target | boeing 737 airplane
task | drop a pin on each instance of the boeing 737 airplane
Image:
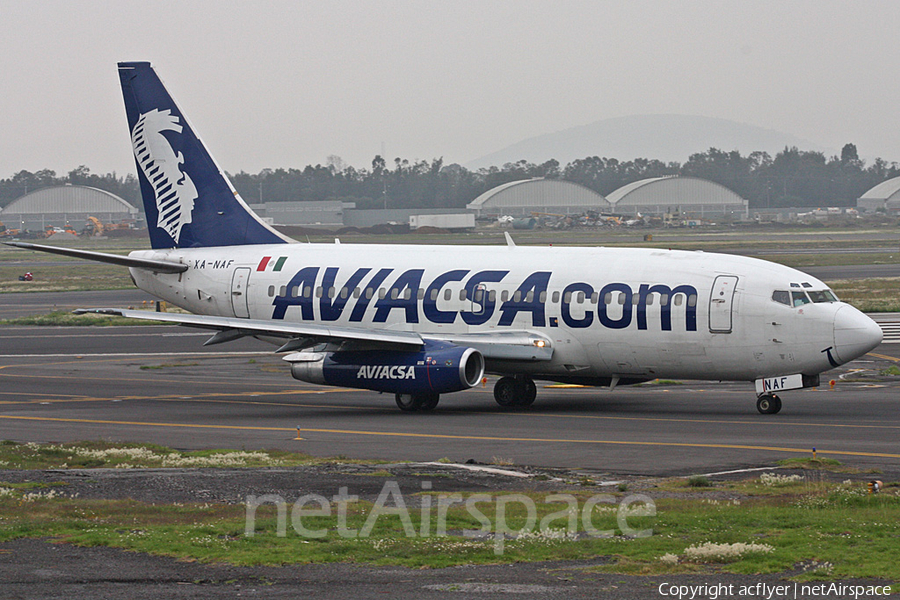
(420, 321)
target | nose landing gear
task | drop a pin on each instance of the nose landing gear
(768, 404)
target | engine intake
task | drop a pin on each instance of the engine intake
(440, 367)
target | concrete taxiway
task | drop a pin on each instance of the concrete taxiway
(159, 385)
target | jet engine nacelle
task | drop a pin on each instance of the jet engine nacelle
(440, 367)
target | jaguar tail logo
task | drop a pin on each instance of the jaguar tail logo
(175, 192)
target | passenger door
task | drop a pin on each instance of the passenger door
(239, 298)
(721, 302)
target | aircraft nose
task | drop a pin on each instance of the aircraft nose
(854, 334)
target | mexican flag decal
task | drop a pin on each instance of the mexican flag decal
(270, 264)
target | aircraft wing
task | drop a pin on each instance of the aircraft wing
(508, 346)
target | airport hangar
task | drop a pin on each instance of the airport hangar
(66, 205)
(689, 196)
(884, 196)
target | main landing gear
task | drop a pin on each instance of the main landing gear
(515, 391)
(413, 402)
(768, 404)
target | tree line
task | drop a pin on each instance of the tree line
(793, 177)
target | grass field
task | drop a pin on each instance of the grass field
(807, 525)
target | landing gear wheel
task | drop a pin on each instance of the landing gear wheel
(408, 402)
(768, 404)
(506, 391)
(529, 392)
(429, 401)
(515, 391)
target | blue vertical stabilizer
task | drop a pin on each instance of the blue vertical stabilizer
(188, 201)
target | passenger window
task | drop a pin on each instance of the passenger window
(356, 292)
(678, 299)
(621, 299)
(692, 300)
(595, 297)
(394, 293)
(607, 298)
(271, 291)
(407, 293)
(799, 298)
(283, 291)
(319, 292)
(307, 291)
(331, 292)
(517, 297)
(650, 299)
(556, 296)
(782, 297)
(462, 294)
(579, 298)
(381, 293)
(504, 296)
(529, 297)
(434, 295)
(492, 296)
(420, 294)
(369, 293)
(567, 298)
(448, 293)
(543, 297)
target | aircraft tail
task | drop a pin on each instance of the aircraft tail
(188, 201)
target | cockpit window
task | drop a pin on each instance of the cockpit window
(823, 296)
(782, 297)
(799, 298)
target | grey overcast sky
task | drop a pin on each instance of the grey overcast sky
(287, 83)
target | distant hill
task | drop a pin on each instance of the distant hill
(663, 137)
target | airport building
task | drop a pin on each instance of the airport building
(549, 196)
(884, 196)
(689, 196)
(66, 205)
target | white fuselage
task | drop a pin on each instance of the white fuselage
(607, 312)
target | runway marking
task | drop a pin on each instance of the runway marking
(207, 397)
(211, 398)
(455, 437)
(54, 335)
(885, 357)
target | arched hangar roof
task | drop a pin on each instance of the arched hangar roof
(69, 199)
(673, 190)
(886, 190)
(541, 194)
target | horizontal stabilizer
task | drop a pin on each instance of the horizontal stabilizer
(157, 266)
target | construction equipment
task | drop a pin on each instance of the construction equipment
(93, 227)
